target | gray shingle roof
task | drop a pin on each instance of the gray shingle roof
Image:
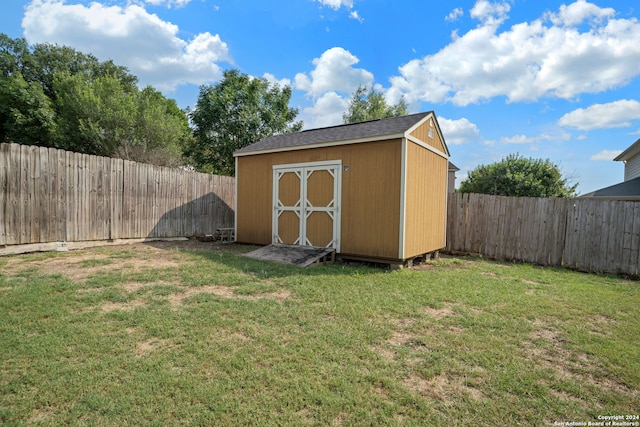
(629, 190)
(372, 128)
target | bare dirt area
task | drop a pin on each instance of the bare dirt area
(80, 264)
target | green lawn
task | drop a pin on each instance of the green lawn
(145, 334)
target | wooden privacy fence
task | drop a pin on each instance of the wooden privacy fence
(49, 195)
(585, 234)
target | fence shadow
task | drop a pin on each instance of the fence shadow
(199, 217)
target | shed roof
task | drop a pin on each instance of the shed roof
(388, 128)
(628, 190)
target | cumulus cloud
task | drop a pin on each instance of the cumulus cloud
(130, 36)
(326, 111)
(581, 48)
(489, 12)
(333, 71)
(168, 3)
(618, 114)
(454, 15)
(458, 131)
(606, 155)
(330, 85)
(355, 15)
(524, 139)
(578, 12)
(274, 81)
(336, 4)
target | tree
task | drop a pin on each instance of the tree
(369, 104)
(161, 131)
(520, 177)
(236, 112)
(55, 96)
(104, 118)
(52, 60)
(94, 117)
(26, 114)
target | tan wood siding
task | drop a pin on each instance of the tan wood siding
(319, 229)
(289, 227)
(426, 200)
(370, 195)
(422, 133)
(254, 183)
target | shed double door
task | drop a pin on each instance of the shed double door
(306, 204)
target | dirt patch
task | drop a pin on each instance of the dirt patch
(132, 287)
(384, 352)
(41, 414)
(402, 323)
(177, 299)
(149, 346)
(550, 350)
(442, 387)
(439, 313)
(81, 264)
(400, 338)
(121, 306)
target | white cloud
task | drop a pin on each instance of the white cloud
(489, 12)
(168, 3)
(458, 131)
(606, 155)
(326, 111)
(274, 81)
(524, 139)
(333, 71)
(330, 85)
(130, 36)
(616, 114)
(578, 12)
(336, 4)
(554, 56)
(454, 15)
(355, 15)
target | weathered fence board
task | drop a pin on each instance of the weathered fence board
(586, 234)
(49, 195)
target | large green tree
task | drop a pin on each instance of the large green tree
(237, 111)
(55, 96)
(104, 118)
(520, 177)
(26, 113)
(369, 104)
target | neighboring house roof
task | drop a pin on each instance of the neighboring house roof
(371, 130)
(632, 151)
(628, 190)
(453, 168)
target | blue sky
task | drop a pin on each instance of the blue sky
(545, 78)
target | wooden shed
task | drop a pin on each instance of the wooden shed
(375, 190)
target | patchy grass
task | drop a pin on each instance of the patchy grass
(155, 334)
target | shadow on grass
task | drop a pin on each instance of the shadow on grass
(231, 256)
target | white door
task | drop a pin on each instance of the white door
(306, 204)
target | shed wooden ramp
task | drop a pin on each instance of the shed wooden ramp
(302, 256)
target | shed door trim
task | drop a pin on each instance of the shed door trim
(303, 208)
